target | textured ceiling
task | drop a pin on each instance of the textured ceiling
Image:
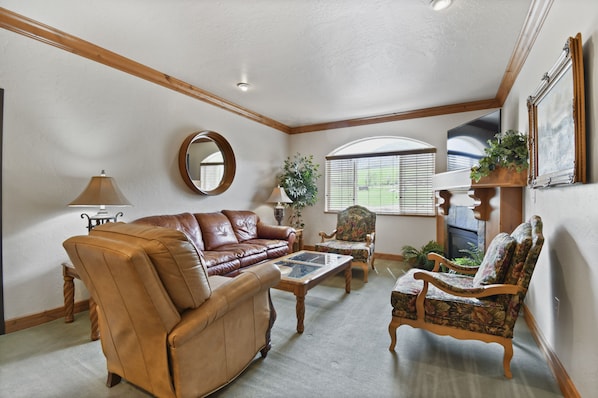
(308, 61)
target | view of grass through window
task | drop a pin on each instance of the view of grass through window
(388, 180)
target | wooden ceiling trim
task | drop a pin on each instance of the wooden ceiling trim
(534, 20)
(392, 117)
(20, 24)
(54, 37)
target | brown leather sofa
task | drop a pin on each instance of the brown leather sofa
(229, 240)
(166, 326)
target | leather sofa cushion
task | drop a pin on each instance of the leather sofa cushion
(216, 230)
(175, 258)
(244, 223)
(184, 222)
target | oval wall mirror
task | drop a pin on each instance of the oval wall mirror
(207, 163)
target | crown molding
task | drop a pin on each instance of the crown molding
(57, 38)
(536, 15)
(25, 26)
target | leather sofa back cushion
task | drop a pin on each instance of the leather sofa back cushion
(175, 258)
(244, 223)
(216, 230)
(184, 222)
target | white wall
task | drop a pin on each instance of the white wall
(66, 119)
(392, 232)
(567, 268)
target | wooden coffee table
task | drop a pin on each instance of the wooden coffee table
(305, 269)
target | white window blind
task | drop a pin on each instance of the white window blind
(397, 182)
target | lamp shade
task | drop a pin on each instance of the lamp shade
(101, 191)
(278, 195)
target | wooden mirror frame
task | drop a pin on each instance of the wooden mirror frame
(227, 155)
(557, 122)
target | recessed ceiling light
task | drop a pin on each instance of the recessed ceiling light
(243, 86)
(438, 5)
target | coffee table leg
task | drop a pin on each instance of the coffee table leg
(300, 308)
(348, 276)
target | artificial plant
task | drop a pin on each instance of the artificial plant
(508, 149)
(299, 179)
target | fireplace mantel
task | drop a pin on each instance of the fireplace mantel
(496, 199)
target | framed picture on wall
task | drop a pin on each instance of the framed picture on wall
(557, 122)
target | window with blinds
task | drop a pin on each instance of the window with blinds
(392, 182)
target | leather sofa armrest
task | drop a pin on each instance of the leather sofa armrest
(224, 298)
(267, 231)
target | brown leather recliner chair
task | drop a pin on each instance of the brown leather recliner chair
(165, 325)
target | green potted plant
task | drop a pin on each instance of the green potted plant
(473, 256)
(418, 258)
(507, 150)
(299, 179)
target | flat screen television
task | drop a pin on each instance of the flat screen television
(465, 144)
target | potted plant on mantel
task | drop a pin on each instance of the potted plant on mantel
(506, 161)
(299, 177)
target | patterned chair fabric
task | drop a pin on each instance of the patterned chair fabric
(354, 236)
(455, 304)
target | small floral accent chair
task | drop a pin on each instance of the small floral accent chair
(475, 303)
(354, 235)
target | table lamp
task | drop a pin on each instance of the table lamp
(101, 192)
(279, 196)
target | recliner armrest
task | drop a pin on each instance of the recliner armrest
(225, 297)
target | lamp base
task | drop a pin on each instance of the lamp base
(279, 214)
(100, 218)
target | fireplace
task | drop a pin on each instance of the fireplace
(459, 239)
(462, 228)
(492, 205)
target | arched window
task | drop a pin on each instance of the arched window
(388, 175)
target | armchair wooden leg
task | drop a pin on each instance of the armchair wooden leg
(113, 379)
(392, 330)
(506, 362)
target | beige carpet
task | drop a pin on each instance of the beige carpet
(342, 353)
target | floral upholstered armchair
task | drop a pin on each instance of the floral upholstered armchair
(480, 303)
(354, 235)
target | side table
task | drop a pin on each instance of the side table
(298, 244)
(69, 273)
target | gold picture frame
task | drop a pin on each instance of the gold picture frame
(557, 126)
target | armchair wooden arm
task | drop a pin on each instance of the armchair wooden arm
(325, 236)
(440, 260)
(370, 238)
(475, 292)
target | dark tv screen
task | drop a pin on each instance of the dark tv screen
(466, 143)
